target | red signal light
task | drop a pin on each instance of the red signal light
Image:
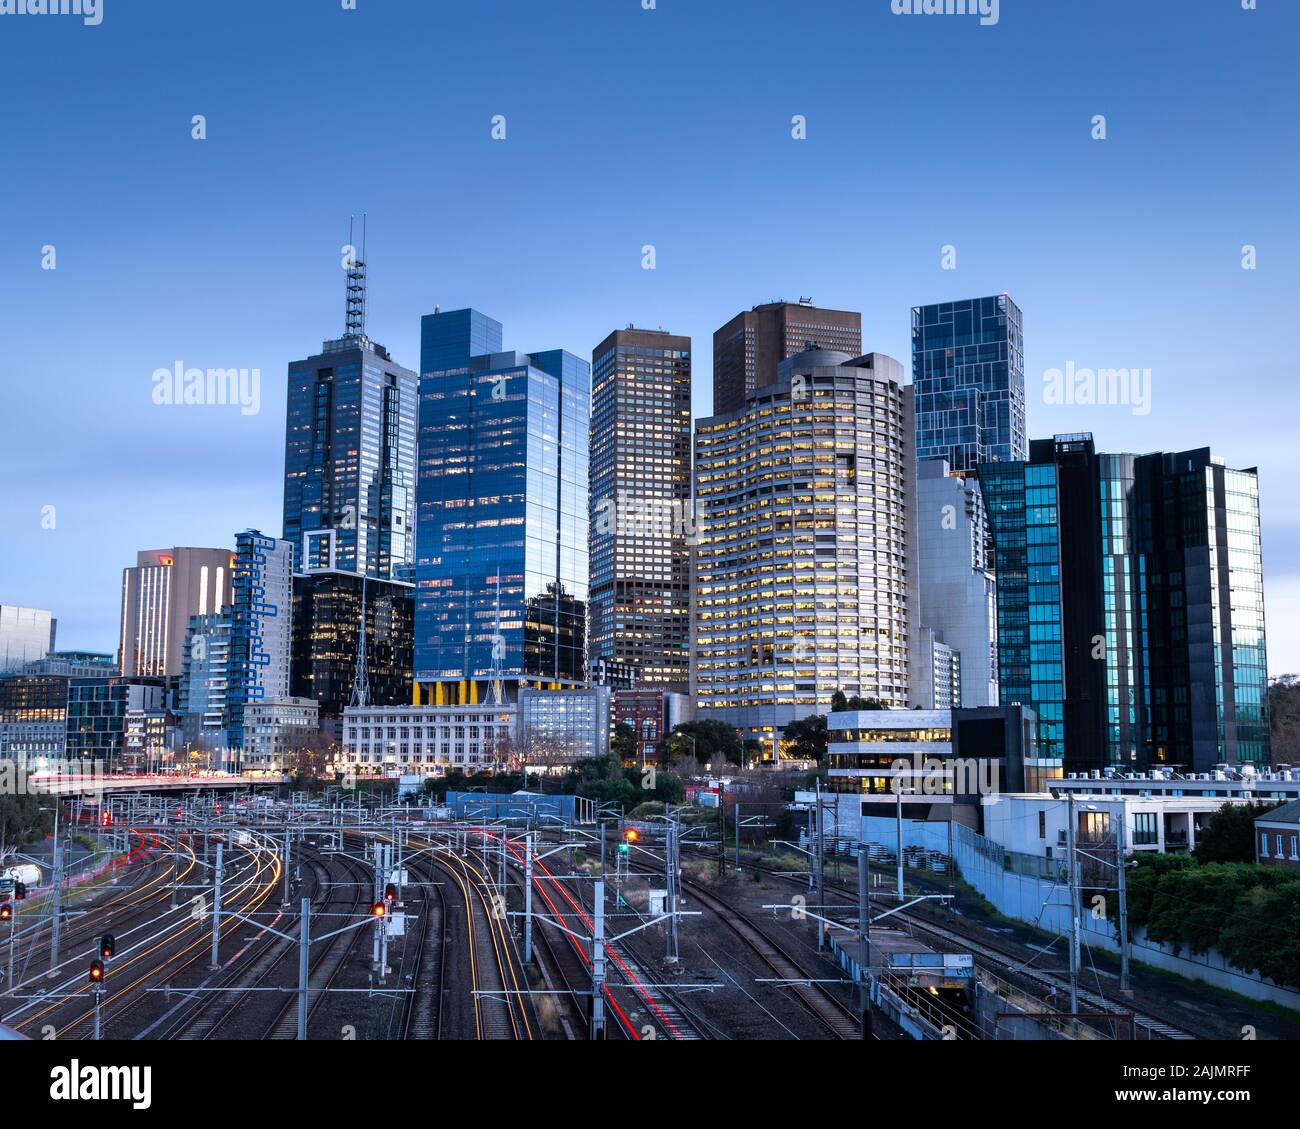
(631, 835)
(106, 819)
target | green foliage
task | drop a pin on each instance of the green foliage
(840, 703)
(714, 742)
(1230, 834)
(455, 780)
(807, 738)
(606, 781)
(1284, 710)
(22, 821)
(623, 743)
(1248, 913)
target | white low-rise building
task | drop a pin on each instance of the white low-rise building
(428, 739)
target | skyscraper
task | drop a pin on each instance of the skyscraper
(329, 607)
(159, 594)
(349, 463)
(748, 349)
(261, 626)
(26, 635)
(640, 500)
(805, 514)
(958, 596)
(968, 366)
(1130, 605)
(503, 513)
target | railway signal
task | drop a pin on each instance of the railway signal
(390, 893)
(20, 891)
(6, 912)
(379, 909)
(107, 946)
(96, 975)
(630, 836)
(106, 818)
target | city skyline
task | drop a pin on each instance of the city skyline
(1116, 261)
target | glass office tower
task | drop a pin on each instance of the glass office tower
(349, 462)
(501, 575)
(1130, 606)
(968, 366)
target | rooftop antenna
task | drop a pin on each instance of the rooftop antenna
(356, 285)
(361, 676)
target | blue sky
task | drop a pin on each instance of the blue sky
(625, 127)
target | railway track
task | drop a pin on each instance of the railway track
(1010, 963)
(837, 1019)
(174, 945)
(498, 998)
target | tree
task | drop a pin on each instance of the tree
(1230, 834)
(1284, 709)
(22, 821)
(623, 743)
(842, 704)
(709, 742)
(307, 754)
(807, 738)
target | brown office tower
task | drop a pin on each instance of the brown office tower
(639, 611)
(748, 348)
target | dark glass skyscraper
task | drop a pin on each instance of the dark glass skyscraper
(501, 574)
(1130, 605)
(327, 615)
(968, 365)
(349, 464)
(640, 502)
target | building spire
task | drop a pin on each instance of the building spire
(355, 325)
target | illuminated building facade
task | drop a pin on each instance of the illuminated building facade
(501, 574)
(803, 580)
(640, 501)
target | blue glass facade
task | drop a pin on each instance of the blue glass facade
(968, 366)
(1130, 605)
(501, 572)
(1023, 511)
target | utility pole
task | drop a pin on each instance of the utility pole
(737, 814)
(1074, 907)
(598, 965)
(57, 923)
(216, 911)
(304, 947)
(528, 889)
(898, 792)
(821, 869)
(287, 850)
(864, 935)
(1121, 866)
(670, 882)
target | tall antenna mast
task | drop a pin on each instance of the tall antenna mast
(361, 676)
(356, 284)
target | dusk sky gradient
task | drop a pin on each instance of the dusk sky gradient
(626, 127)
